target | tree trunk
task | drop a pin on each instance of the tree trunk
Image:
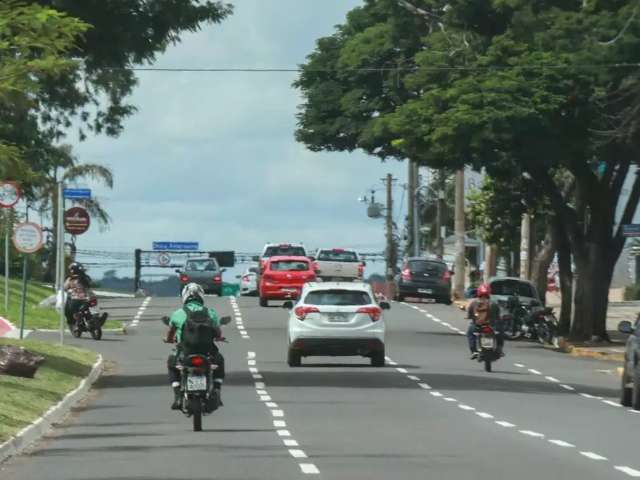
(566, 277)
(542, 261)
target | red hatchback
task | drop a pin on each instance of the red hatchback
(283, 277)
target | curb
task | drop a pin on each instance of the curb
(598, 355)
(25, 437)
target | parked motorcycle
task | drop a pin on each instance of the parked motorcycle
(199, 397)
(515, 317)
(545, 325)
(89, 319)
(487, 346)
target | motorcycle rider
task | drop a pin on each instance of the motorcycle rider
(78, 288)
(483, 311)
(192, 302)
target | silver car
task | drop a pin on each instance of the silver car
(206, 272)
(249, 281)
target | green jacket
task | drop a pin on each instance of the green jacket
(179, 317)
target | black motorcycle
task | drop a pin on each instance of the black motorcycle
(199, 397)
(88, 319)
(515, 318)
(545, 325)
(487, 343)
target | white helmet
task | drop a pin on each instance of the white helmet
(192, 291)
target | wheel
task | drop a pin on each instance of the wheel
(625, 396)
(264, 302)
(96, 333)
(487, 365)
(400, 297)
(448, 301)
(377, 359)
(635, 391)
(196, 411)
(294, 359)
(76, 332)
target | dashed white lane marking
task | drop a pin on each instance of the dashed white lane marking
(613, 404)
(466, 407)
(295, 453)
(519, 365)
(288, 442)
(629, 471)
(504, 424)
(436, 394)
(450, 399)
(568, 387)
(402, 370)
(535, 372)
(257, 376)
(277, 413)
(552, 379)
(562, 443)
(485, 415)
(261, 392)
(588, 395)
(309, 469)
(413, 377)
(424, 386)
(251, 362)
(594, 456)
(251, 354)
(284, 433)
(253, 370)
(531, 433)
(271, 404)
(279, 423)
(140, 312)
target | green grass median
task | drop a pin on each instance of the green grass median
(36, 317)
(23, 400)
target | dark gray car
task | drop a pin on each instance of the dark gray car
(205, 272)
(424, 278)
(630, 396)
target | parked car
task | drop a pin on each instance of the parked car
(282, 278)
(424, 278)
(338, 264)
(630, 396)
(205, 272)
(336, 319)
(502, 288)
(248, 281)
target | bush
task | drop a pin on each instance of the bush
(632, 292)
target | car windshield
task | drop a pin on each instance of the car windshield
(338, 298)
(201, 265)
(337, 256)
(512, 287)
(426, 266)
(282, 250)
(290, 266)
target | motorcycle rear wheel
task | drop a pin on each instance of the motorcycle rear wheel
(96, 333)
(196, 411)
(487, 365)
(76, 332)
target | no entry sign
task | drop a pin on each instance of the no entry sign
(9, 194)
(27, 237)
(76, 221)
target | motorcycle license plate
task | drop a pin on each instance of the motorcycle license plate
(486, 342)
(425, 290)
(196, 383)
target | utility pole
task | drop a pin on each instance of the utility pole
(525, 243)
(460, 273)
(389, 222)
(440, 221)
(60, 267)
(412, 201)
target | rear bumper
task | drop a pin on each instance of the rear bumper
(337, 347)
(280, 292)
(411, 289)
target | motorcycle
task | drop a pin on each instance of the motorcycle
(487, 342)
(89, 319)
(199, 397)
(545, 325)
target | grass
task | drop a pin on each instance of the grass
(23, 400)
(36, 318)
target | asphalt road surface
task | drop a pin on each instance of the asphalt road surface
(431, 413)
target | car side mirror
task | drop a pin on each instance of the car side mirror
(625, 327)
(226, 320)
(165, 320)
(385, 305)
(288, 305)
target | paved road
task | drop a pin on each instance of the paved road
(431, 413)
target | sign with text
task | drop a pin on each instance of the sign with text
(76, 221)
(9, 194)
(28, 237)
(77, 193)
(176, 246)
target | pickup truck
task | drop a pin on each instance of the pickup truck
(338, 264)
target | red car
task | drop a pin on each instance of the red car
(283, 277)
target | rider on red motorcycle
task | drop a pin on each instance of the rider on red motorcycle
(483, 311)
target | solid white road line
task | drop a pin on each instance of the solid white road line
(613, 404)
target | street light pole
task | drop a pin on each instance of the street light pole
(460, 274)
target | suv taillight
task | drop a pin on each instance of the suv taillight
(302, 312)
(217, 279)
(446, 276)
(373, 312)
(406, 274)
(93, 302)
(184, 278)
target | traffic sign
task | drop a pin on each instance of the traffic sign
(77, 193)
(27, 237)
(76, 221)
(631, 230)
(176, 246)
(164, 259)
(9, 194)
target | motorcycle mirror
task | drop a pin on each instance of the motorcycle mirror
(385, 305)
(165, 320)
(288, 305)
(225, 320)
(625, 327)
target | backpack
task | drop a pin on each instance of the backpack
(198, 333)
(482, 311)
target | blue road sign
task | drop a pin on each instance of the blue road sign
(77, 193)
(632, 230)
(176, 246)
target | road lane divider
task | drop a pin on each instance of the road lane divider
(136, 319)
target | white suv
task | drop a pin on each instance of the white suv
(336, 319)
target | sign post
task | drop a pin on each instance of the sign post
(9, 195)
(631, 230)
(27, 238)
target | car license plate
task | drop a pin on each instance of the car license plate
(425, 290)
(486, 342)
(196, 383)
(337, 318)
(290, 290)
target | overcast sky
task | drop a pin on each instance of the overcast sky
(211, 157)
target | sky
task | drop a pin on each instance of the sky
(211, 157)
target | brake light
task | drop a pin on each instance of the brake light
(184, 278)
(374, 312)
(315, 266)
(93, 302)
(361, 270)
(245, 278)
(446, 276)
(486, 329)
(284, 245)
(217, 279)
(406, 274)
(302, 312)
(197, 361)
(338, 250)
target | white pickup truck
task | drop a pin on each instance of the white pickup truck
(338, 264)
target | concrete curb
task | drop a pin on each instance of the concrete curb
(18, 443)
(585, 352)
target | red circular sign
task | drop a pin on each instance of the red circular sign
(76, 221)
(9, 194)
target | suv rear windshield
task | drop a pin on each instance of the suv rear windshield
(287, 266)
(284, 251)
(337, 256)
(426, 266)
(338, 297)
(205, 265)
(512, 287)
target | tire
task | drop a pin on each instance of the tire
(378, 359)
(196, 411)
(294, 359)
(264, 302)
(487, 366)
(400, 297)
(635, 391)
(626, 393)
(76, 332)
(96, 334)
